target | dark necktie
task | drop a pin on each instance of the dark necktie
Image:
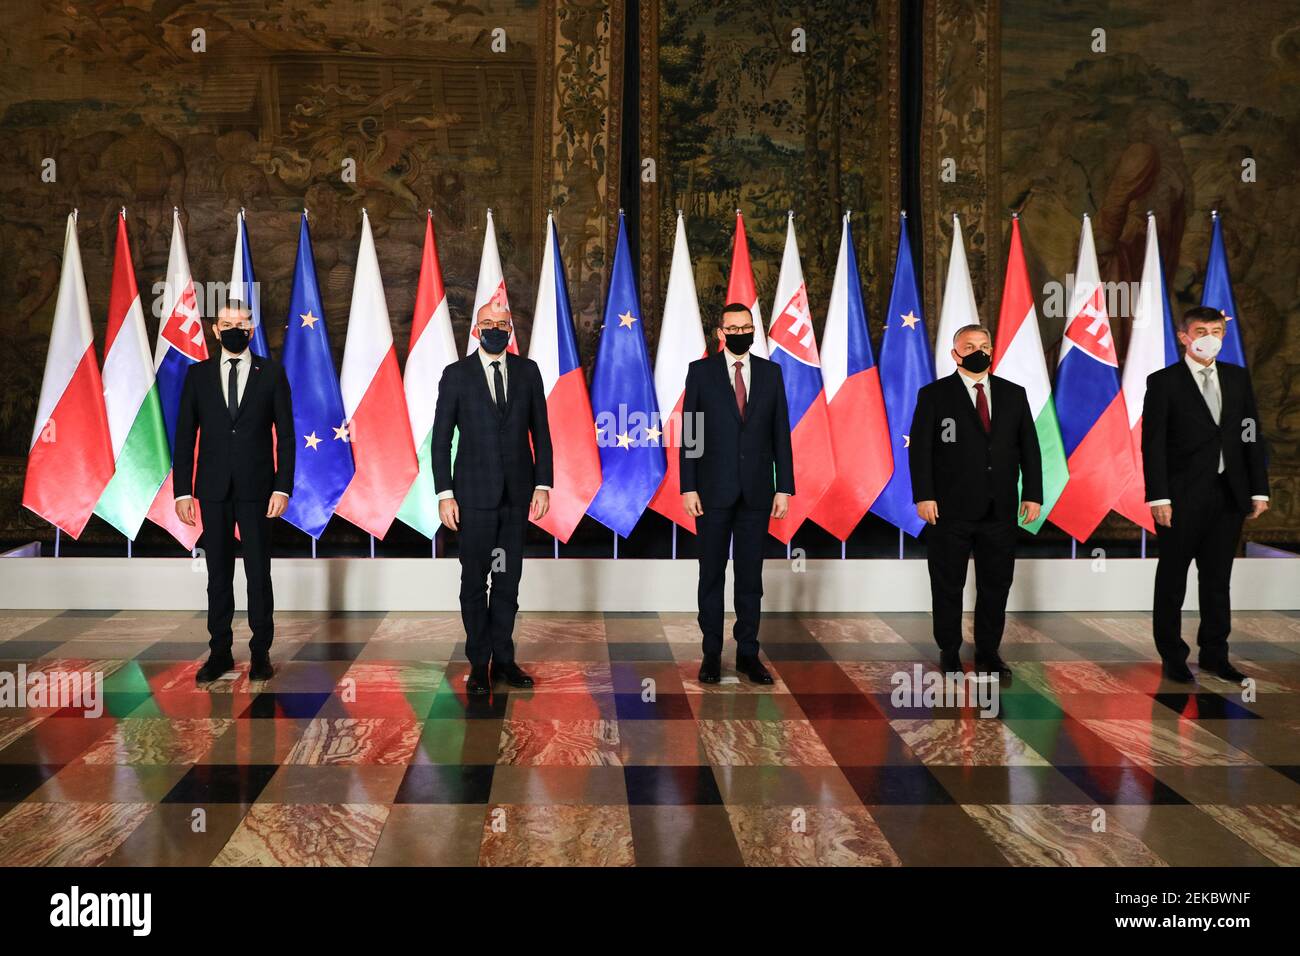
(982, 407)
(500, 383)
(740, 389)
(232, 388)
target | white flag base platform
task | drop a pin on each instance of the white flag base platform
(580, 584)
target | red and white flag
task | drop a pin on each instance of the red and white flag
(491, 287)
(741, 288)
(374, 401)
(70, 459)
(681, 342)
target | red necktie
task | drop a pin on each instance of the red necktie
(740, 389)
(982, 406)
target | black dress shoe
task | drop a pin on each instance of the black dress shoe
(478, 685)
(213, 668)
(950, 662)
(711, 669)
(1177, 671)
(512, 673)
(1224, 670)
(260, 668)
(993, 665)
(753, 668)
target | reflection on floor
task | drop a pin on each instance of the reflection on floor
(364, 750)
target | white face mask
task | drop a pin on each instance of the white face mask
(1206, 347)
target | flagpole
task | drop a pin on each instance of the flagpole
(1074, 547)
(372, 545)
(615, 545)
(900, 544)
(1144, 542)
(313, 549)
(674, 540)
(844, 548)
(57, 538)
(556, 539)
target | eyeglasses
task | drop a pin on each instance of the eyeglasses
(737, 329)
(503, 325)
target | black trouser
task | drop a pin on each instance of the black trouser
(715, 530)
(218, 543)
(1205, 529)
(491, 542)
(950, 543)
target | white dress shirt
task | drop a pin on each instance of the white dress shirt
(490, 373)
(970, 384)
(243, 365)
(1198, 376)
(744, 370)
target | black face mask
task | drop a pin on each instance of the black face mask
(977, 361)
(495, 341)
(738, 343)
(234, 340)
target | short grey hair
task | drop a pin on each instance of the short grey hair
(971, 328)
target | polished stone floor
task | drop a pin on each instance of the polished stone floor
(364, 750)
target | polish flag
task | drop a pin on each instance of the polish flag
(379, 426)
(70, 459)
(1090, 405)
(794, 348)
(864, 458)
(681, 342)
(181, 343)
(554, 348)
(741, 288)
(1151, 347)
(491, 287)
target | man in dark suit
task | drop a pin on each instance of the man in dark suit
(231, 402)
(972, 441)
(1206, 472)
(737, 475)
(498, 403)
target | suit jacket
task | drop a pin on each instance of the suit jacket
(1181, 443)
(962, 467)
(733, 460)
(493, 453)
(238, 459)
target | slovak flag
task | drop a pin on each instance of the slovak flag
(244, 287)
(554, 348)
(681, 342)
(1151, 347)
(491, 287)
(864, 459)
(181, 343)
(793, 346)
(1217, 294)
(741, 288)
(1090, 405)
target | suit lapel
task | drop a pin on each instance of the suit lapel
(1197, 397)
(255, 374)
(474, 366)
(962, 396)
(728, 383)
(514, 378)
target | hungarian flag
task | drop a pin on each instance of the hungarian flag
(1018, 357)
(433, 348)
(1151, 347)
(681, 342)
(375, 405)
(859, 426)
(1217, 294)
(491, 287)
(741, 288)
(70, 459)
(958, 308)
(135, 420)
(244, 287)
(793, 346)
(554, 347)
(1094, 422)
(181, 343)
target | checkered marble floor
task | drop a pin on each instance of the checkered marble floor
(364, 750)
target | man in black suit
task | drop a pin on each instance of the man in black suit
(231, 402)
(734, 478)
(972, 441)
(1206, 472)
(498, 402)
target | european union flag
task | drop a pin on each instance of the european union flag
(624, 405)
(1217, 294)
(906, 364)
(324, 465)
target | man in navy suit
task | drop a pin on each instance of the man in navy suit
(229, 404)
(737, 476)
(502, 475)
(1206, 472)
